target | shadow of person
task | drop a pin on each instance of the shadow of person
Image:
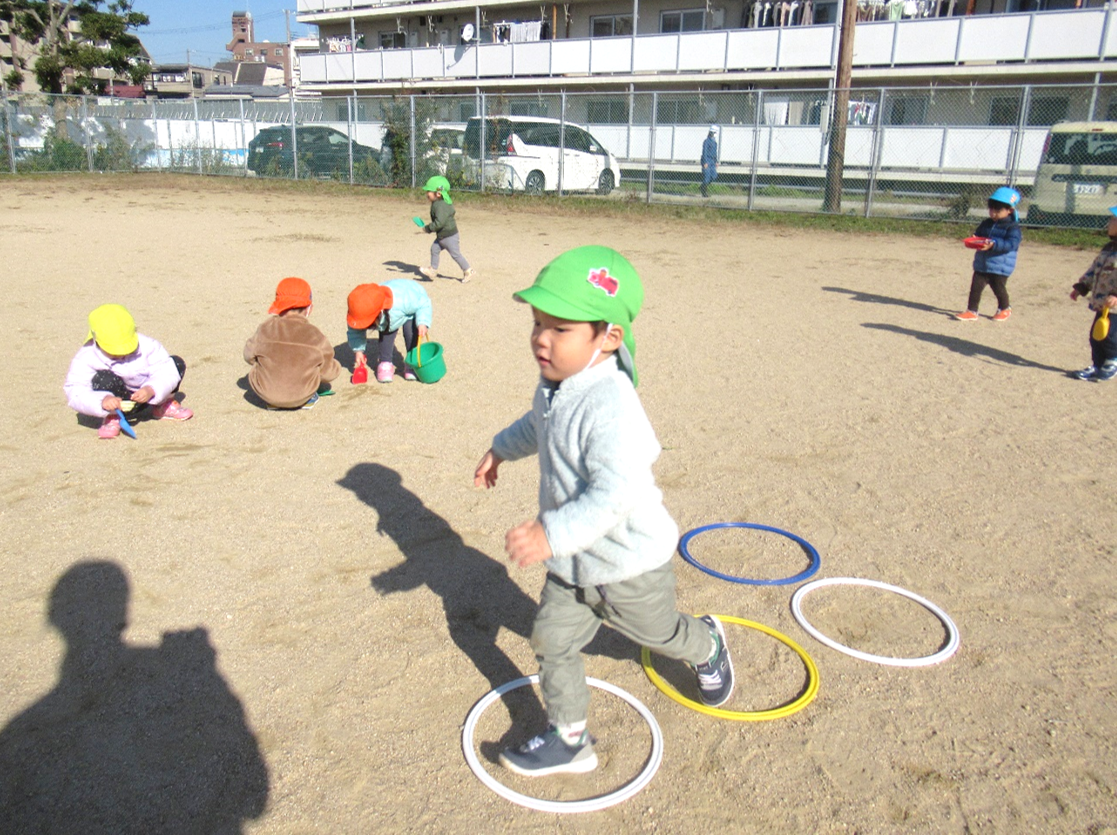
(403, 267)
(873, 298)
(131, 739)
(965, 347)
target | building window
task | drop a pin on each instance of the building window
(685, 112)
(607, 112)
(393, 40)
(906, 110)
(1005, 110)
(527, 108)
(608, 26)
(690, 20)
(248, 52)
(1047, 110)
(279, 52)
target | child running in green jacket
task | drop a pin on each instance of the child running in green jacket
(445, 229)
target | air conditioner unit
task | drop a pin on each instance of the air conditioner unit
(717, 18)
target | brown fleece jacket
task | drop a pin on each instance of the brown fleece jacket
(290, 358)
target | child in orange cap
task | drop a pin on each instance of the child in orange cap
(387, 307)
(292, 361)
(118, 368)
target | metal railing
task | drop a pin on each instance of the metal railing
(926, 152)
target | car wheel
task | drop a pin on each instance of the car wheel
(534, 183)
(606, 183)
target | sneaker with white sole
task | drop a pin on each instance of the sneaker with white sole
(430, 272)
(1086, 373)
(1107, 371)
(1002, 314)
(715, 677)
(384, 372)
(468, 274)
(967, 316)
(409, 373)
(548, 753)
(109, 428)
(171, 410)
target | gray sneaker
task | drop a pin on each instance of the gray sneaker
(715, 678)
(1107, 371)
(549, 754)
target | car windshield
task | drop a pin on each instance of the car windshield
(1082, 149)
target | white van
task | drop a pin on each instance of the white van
(523, 153)
(1076, 181)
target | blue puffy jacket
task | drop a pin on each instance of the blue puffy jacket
(1001, 259)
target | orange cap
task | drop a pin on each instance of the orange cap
(366, 303)
(291, 293)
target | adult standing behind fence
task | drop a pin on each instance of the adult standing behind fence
(709, 161)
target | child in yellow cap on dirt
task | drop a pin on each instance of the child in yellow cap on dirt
(445, 229)
(387, 307)
(602, 529)
(118, 368)
(292, 361)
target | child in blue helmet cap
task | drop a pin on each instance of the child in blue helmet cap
(1099, 284)
(994, 263)
(602, 529)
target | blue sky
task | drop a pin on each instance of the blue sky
(204, 27)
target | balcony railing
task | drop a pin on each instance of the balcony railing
(1082, 34)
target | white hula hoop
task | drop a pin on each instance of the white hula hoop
(592, 804)
(952, 641)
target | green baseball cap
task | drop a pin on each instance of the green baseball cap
(437, 183)
(591, 284)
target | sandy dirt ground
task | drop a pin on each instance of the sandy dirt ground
(316, 599)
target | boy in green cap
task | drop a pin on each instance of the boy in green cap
(602, 528)
(445, 229)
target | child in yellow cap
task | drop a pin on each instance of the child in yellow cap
(445, 229)
(602, 529)
(118, 368)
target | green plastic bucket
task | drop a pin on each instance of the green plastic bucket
(426, 361)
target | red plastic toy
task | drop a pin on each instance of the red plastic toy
(977, 243)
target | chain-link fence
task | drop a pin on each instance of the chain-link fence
(926, 153)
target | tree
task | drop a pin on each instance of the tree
(73, 39)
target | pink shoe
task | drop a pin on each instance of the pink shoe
(110, 428)
(384, 372)
(408, 374)
(171, 410)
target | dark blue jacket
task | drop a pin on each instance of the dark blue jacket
(1001, 259)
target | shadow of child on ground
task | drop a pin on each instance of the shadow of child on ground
(965, 347)
(131, 739)
(410, 269)
(873, 298)
(477, 594)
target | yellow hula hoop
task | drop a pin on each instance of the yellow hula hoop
(742, 715)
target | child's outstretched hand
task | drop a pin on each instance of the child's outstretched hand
(485, 474)
(527, 544)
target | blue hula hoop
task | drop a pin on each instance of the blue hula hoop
(802, 575)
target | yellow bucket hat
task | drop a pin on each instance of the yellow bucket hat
(114, 330)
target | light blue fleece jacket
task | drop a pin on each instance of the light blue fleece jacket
(598, 502)
(409, 301)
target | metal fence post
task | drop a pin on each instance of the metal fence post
(411, 102)
(294, 138)
(350, 129)
(86, 139)
(243, 139)
(9, 117)
(651, 146)
(874, 154)
(755, 145)
(197, 137)
(484, 115)
(1018, 138)
(562, 139)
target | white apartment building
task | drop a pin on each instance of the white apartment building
(461, 46)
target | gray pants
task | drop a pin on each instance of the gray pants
(451, 244)
(642, 609)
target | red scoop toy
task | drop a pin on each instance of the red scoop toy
(977, 243)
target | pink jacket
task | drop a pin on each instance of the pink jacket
(148, 365)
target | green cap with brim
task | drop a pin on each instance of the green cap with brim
(437, 183)
(591, 284)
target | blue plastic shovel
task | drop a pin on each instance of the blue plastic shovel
(125, 426)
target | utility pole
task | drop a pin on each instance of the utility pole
(835, 159)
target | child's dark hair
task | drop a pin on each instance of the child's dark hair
(997, 204)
